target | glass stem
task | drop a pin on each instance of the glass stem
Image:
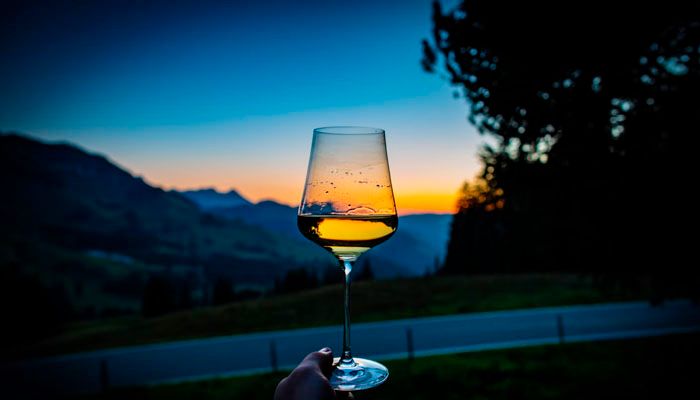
(346, 358)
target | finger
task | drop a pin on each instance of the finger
(344, 395)
(322, 359)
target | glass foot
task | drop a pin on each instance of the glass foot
(362, 374)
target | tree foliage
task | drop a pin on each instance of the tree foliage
(297, 280)
(592, 110)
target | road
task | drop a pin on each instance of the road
(262, 352)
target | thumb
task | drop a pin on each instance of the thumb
(322, 359)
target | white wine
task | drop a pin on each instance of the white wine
(347, 236)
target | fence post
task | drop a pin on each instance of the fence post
(409, 343)
(273, 355)
(560, 328)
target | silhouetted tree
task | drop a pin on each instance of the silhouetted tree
(185, 300)
(365, 273)
(592, 109)
(332, 275)
(223, 291)
(31, 309)
(433, 270)
(296, 280)
(159, 296)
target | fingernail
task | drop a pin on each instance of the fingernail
(325, 350)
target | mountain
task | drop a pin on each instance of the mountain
(267, 214)
(207, 199)
(418, 246)
(419, 243)
(431, 230)
(80, 226)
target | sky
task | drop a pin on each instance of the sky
(226, 94)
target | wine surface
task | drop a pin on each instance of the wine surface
(347, 236)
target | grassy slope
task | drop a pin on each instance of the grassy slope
(655, 368)
(372, 301)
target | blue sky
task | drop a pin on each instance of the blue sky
(226, 94)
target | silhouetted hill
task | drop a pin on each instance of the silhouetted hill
(78, 225)
(208, 199)
(268, 214)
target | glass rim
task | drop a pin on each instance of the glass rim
(349, 130)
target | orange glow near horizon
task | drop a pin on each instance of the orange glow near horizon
(407, 202)
(418, 203)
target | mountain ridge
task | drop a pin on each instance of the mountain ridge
(417, 248)
(209, 198)
(77, 224)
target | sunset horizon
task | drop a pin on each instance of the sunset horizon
(409, 200)
(406, 203)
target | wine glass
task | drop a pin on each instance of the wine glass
(347, 208)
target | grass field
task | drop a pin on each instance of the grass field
(655, 368)
(372, 301)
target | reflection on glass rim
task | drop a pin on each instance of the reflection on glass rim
(349, 130)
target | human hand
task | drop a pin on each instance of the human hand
(309, 380)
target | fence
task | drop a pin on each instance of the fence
(272, 351)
